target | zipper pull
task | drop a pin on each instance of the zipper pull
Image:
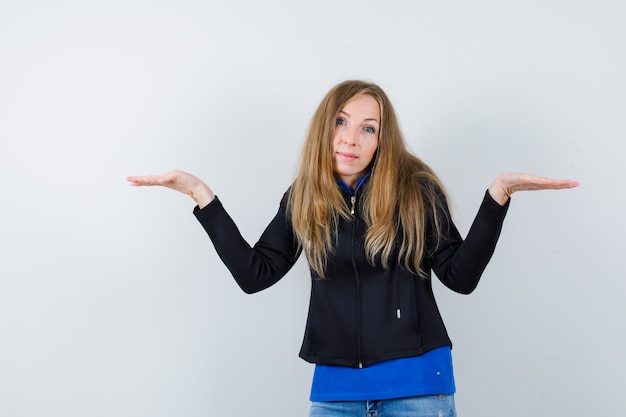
(398, 313)
(360, 365)
(353, 200)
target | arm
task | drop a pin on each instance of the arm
(254, 268)
(460, 263)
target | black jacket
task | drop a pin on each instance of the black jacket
(361, 314)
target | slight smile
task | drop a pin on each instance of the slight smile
(347, 156)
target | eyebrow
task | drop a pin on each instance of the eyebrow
(369, 119)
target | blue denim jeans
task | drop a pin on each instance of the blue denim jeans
(422, 406)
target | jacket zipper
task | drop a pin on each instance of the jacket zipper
(358, 283)
(358, 300)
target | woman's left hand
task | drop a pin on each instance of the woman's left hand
(508, 183)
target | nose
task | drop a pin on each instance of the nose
(350, 136)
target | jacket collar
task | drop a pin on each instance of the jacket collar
(359, 183)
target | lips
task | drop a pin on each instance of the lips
(347, 156)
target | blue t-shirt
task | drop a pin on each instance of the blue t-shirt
(427, 374)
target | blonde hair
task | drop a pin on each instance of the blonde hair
(399, 200)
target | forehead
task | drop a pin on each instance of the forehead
(362, 106)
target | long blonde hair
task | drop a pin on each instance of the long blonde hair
(402, 195)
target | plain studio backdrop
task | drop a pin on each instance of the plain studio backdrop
(112, 299)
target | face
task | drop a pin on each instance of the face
(355, 138)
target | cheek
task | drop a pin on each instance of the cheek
(333, 140)
(372, 150)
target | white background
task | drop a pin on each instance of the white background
(112, 299)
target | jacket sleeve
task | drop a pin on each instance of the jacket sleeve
(460, 263)
(254, 268)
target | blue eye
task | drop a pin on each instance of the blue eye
(369, 129)
(340, 121)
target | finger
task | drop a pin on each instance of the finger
(540, 183)
(568, 184)
(143, 180)
(559, 184)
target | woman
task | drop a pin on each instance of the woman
(373, 222)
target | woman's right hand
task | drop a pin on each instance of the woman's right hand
(180, 181)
